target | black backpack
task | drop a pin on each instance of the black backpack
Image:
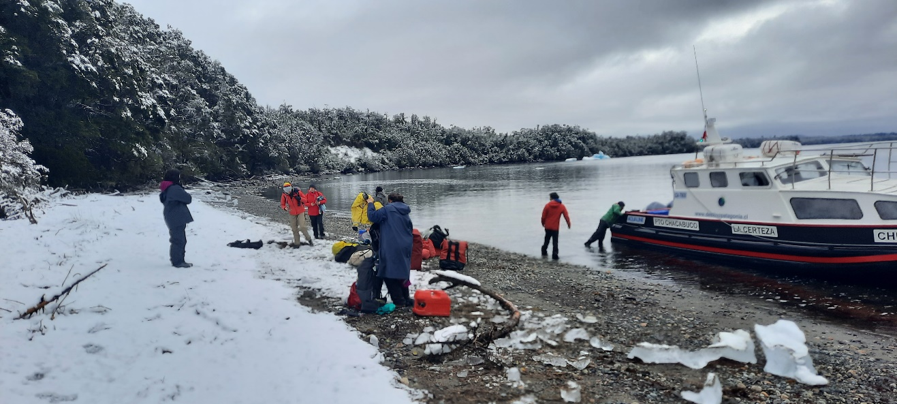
(438, 235)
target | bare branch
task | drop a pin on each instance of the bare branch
(505, 303)
(43, 303)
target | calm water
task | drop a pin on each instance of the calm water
(501, 206)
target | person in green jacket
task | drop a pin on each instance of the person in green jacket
(613, 214)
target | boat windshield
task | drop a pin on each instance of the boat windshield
(845, 167)
(800, 172)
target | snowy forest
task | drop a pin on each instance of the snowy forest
(108, 99)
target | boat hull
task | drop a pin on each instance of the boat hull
(828, 246)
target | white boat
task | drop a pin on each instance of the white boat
(571, 159)
(791, 205)
(459, 167)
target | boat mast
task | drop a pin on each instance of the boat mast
(700, 90)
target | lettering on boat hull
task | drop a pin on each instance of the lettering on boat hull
(756, 230)
(885, 236)
(677, 224)
(635, 219)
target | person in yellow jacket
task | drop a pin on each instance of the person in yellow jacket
(293, 201)
(360, 211)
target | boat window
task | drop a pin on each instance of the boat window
(824, 208)
(691, 180)
(753, 179)
(887, 210)
(849, 168)
(800, 172)
(718, 179)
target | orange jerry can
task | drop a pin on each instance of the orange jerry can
(432, 303)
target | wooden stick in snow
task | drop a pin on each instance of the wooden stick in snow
(40, 305)
(505, 303)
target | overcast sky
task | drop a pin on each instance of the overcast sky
(614, 67)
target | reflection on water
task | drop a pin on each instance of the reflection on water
(501, 206)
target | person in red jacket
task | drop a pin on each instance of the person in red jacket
(315, 201)
(293, 201)
(551, 221)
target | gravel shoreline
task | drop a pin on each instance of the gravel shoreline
(861, 366)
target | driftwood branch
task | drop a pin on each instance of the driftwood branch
(27, 209)
(43, 303)
(495, 334)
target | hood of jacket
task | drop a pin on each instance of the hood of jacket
(400, 207)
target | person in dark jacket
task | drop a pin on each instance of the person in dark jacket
(613, 214)
(379, 196)
(394, 254)
(551, 221)
(315, 201)
(177, 215)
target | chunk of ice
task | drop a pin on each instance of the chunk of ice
(712, 393)
(737, 346)
(580, 363)
(551, 359)
(514, 378)
(513, 375)
(571, 393)
(575, 334)
(527, 399)
(787, 355)
(437, 349)
(451, 334)
(423, 338)
(596, 342)
(588, 319)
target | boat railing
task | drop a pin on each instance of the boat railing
(877, 151)
(881, 154)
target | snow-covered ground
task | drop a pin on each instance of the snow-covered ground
(139, 330)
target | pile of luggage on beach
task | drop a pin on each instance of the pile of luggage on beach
(432, 243)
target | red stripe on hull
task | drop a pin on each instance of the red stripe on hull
(733, 221)
(865, 259)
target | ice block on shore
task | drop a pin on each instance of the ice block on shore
(787, 355)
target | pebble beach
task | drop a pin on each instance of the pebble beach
(860, 365)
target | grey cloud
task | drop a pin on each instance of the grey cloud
(514, 64)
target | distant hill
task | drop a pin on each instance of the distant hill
(109, 99)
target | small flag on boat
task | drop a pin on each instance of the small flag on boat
(704, 138)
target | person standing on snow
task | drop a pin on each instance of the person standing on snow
(177, 215)
(394, 255)
(293, 201)
(613, 214)
(315, 201)
(551, 221)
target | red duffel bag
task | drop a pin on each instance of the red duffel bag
(453, 255)
(416, 250)
(428, 250)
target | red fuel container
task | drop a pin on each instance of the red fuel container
(432, 303)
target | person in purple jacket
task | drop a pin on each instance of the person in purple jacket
(177, 215)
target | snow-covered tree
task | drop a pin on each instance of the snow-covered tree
(20, 176)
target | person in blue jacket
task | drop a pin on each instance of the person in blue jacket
(177, 215)
(394, 254)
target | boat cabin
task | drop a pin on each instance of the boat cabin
(782, 185)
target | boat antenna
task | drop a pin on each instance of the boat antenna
(700, 90)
